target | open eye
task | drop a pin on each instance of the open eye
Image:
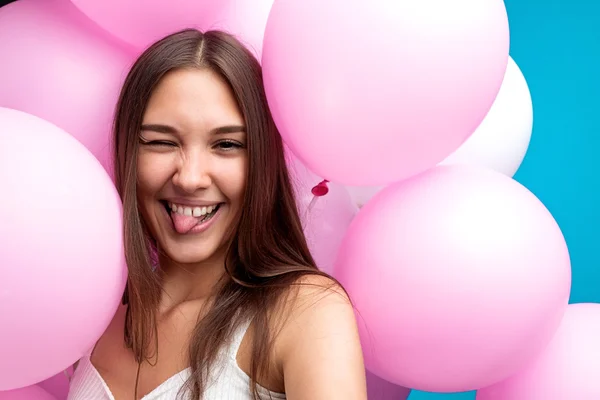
(228, 145)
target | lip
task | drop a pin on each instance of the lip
(205, 225)
(191, 202)
(196, 229)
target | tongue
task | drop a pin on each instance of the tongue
(184, 223)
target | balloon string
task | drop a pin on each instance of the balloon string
(319, 190)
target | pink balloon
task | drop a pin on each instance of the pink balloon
(371, 92)
(27, 393)
(378, 389)
(61, 261)
(142, 22)
(246, 19)
(326, 218)
(568, 367)
(60, 67)
(499, 143)
(58, 385)
(361, 194)
(459, 275)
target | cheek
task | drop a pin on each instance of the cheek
(152, 173)
(232, 177)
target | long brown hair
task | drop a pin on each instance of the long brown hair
(268, 253)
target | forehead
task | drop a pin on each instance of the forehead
(193, 99)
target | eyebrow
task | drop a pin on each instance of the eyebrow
(160, 128)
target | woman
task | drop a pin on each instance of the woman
(223, 300)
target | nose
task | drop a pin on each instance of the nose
(193, 172)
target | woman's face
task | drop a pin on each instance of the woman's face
(192, 164)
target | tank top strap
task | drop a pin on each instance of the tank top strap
(237, 338)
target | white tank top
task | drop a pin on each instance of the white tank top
(227, 380)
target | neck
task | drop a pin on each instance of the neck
(184, 283)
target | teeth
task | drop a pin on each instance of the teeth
(192, 211)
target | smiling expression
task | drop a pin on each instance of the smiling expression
(192, 164)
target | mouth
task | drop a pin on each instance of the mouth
(186, 219)
(203, 212)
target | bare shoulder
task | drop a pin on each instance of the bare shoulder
(318, 346)
(314, 296)
(314, 303)
(111, 343)
(103, 349)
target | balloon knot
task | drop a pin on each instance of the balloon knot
(321, 189)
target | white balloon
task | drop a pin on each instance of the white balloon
(501, 140)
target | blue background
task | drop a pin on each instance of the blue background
(556, 43)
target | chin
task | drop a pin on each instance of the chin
(190, 256)
(192, 253)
